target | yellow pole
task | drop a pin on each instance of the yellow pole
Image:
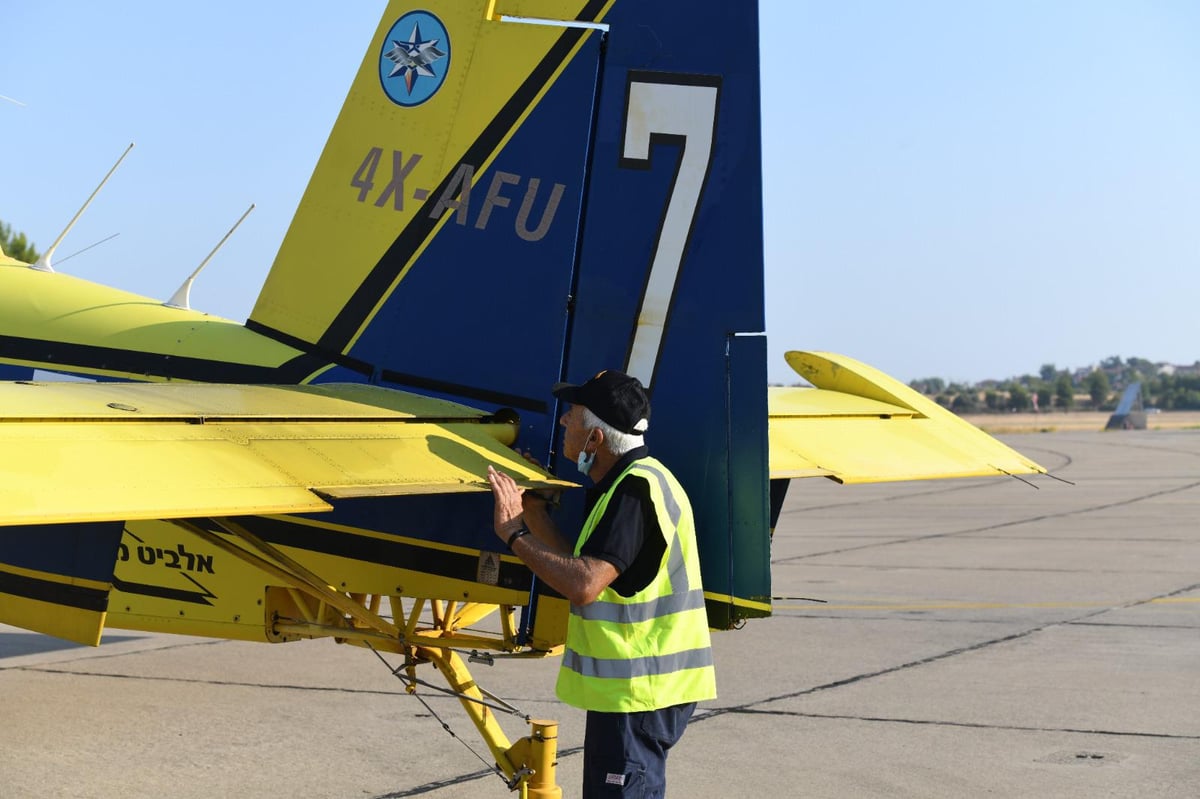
(530, 763)
(460, 680)
(543, 759)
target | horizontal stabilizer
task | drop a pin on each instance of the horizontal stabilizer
(92, 452)
(857, 425)
(56, 579)
(71, 610)
(55, 321)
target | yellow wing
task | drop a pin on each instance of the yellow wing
(857, 425)
(107, 451)
(83, 462)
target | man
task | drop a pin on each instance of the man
(637, 656)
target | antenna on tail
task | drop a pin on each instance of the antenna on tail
(43, 263)
(183, 295)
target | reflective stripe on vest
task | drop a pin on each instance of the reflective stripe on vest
(641, 611)
(639, 667)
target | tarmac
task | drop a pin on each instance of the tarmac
(971, 638)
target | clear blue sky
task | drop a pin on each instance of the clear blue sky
(963, 190)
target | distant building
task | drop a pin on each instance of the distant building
(1178, 370)
(1188, 371)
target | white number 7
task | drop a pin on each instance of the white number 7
(681, 110)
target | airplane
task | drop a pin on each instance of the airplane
(523, 192)
(1129, 413)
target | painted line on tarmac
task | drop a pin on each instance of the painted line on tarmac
(998, 526)
(951, 653)
(461, 779)
(972, 725)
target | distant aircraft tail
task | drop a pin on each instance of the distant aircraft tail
(1129, 414)
(502, 205)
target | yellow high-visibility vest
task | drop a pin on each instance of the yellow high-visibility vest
(650, 650)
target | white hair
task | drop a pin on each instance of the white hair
(616, 442)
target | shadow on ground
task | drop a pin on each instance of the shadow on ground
(15, 644)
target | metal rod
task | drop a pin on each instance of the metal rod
(311, 581)
(183, 295)
(43, 264)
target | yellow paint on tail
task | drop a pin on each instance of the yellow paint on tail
(388, 167)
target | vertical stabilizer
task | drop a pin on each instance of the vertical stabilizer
(502, 205)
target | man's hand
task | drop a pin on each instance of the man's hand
(579, 579)
(506, 518)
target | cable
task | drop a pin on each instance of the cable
(409, 682)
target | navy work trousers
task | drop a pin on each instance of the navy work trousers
(625, 754)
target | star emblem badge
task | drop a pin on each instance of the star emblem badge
(414, 57)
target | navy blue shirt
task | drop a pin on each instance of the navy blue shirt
(628, 535)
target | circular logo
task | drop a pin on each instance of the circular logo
(415, 58)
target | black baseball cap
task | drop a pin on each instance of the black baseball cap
(615, 397)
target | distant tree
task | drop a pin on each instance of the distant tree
(1113, 362)
(16, 245)
(992, 400)
(1177, 392)
(1139, 369)
(1018, 399)
(965, 402)
(928, 385)
(1044, 395)
(1098, 388)
(1049, 372)
(1064, 392)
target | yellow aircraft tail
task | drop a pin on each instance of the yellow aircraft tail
(440, 92)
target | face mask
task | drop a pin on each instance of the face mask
(585, 460)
